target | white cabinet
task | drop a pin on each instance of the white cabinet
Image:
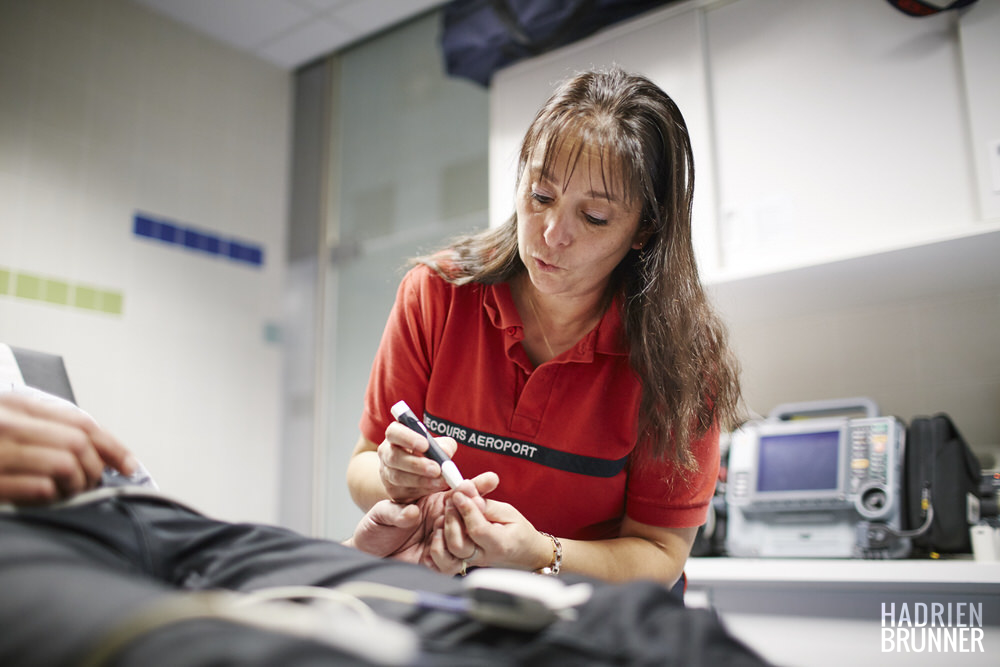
(840, 128)
(838, 145)
(979, 39)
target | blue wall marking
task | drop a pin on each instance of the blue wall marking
(198, 240)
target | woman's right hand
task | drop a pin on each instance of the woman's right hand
(405, 472)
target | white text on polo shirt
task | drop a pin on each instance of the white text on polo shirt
(502, 445)
(481, 440)
(445, 429)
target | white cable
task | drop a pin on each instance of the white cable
(383, 641)
(369, 589)
(289, 593)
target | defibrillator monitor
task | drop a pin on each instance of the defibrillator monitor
(793, 464)
(818, 487)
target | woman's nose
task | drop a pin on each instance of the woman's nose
(558, 228)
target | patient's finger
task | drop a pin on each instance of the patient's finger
(107, 448)
(113, 452)
(443, 560)
(27, 490)
(456, 540)
(33, 431)
(479, 486)
(78, 443)
(56, 410)
(388, 513)
(58, 465)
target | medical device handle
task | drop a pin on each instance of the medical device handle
(833, 407)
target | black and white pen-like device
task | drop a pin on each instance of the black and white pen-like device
(404, 415)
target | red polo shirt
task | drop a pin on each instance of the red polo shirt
(559, 436)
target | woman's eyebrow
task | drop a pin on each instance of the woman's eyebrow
(601, 194)
(545, 175)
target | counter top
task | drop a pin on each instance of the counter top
(834, 570)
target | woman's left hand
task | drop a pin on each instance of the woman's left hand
(490, 533)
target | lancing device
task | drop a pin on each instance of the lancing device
(404, 415)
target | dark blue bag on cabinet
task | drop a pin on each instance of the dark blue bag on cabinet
(480, 36)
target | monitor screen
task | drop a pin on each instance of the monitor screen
(798, 461)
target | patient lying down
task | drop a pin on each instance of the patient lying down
(97, 566)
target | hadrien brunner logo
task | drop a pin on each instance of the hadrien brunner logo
(938, 627)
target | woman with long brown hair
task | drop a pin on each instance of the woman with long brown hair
(571, 350)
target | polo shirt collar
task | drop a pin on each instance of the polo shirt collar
(607, 338)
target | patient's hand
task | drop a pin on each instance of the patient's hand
(412, 532)
(49, 452)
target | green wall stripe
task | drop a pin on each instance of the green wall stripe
(28, 286)
(60, 292)
(55, 291)
(112, 302)
(87, 297)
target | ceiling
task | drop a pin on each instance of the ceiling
(289, 33)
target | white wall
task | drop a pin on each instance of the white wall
(105, 110)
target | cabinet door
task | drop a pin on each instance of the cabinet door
(840, 130)
(979, 35)
(665, 46)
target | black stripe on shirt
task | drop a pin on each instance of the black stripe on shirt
(552, 458)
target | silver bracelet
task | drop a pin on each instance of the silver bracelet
(556, 564)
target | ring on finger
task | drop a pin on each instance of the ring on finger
(465, 561)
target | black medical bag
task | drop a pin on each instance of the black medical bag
(940, 472)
